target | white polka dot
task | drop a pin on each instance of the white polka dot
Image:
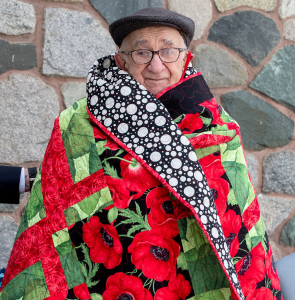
(176, 163)
(206, 202)
(198, 175)
(139, 150)
(204, 219)
(189, 191)
(166, 139)
(225, 264)
(234, 278)
(142, 87)
(168, 148)
(131, 109)
(125, 90)
(178, 148)
(193, 202)
(123, 128)
(151, 107)
(93, 100)
(149, 145)
(104, 112)
(110, 103)
(96, 112)
(184, 141)
(155, 156)
(100, 82)
(190, 173)
(107, 122)
(202, 207)
(126, 139)
(142, 132)
(172, 127)
(106, 63)
(122, 109)
(173, 182)
(185, 168)
(183, 178)
(163, 175)
(122, 72)
(109, 75)
(192, 156)
(215, 232)
(160, 121)
(173, 153)
(116, 116)
(158, 169)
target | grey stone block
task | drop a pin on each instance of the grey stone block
(112, 10)
(200, 11)
(288, 234)
(16, 17)
(8, 230)
(287, 8)
(252, 168)
(274, 211)
(267, 5)
(28, 109)
(261, 124)
(279, 173)
(249, 33)
(281, 71)
(73, 91)
(219, 68)
(289, 30)
(17, 56)
(72, 50)
(12, 207)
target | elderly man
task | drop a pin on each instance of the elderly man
(143, 192)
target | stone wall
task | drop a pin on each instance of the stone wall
(244, 48)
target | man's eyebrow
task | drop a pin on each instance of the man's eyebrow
(167, 42)
(138, 43)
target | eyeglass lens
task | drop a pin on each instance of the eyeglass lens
(145, 56)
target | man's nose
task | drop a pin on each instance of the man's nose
(156, 65)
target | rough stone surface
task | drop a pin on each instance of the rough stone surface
(279, 173)
(16, 17)
(267, 5)
(28, 110)
(289, 30)
(249, 33)
(73, 91)
(200, 11)
(17, 56)
(288, 234)
(8, 229)
(72, 50)
(287, 8)
(66, 1)
(220, 69)
(262, 125)
(252, 168)
(12, 207)
(281, 71)
(112, 10)
(276, 252)
(274, 211)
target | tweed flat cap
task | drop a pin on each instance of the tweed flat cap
(152, 16)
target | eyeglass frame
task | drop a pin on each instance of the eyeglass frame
(153, 52)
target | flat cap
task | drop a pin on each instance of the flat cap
(152, 16)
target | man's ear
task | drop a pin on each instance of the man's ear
(192, 57)
(120, 61)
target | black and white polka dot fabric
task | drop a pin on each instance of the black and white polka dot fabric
(139, 120)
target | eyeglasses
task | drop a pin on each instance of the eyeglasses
(144, 56)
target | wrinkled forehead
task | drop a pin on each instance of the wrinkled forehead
(151, 37)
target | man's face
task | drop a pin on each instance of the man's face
(156, 75)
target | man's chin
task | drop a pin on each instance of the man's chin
(156, 89)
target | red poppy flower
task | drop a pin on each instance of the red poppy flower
(271, 270)
(165, 213)
(154, 255)
(81, 291)
(261, 294)
(178, 288)
(190, 123)
(219, 189)
(251, 269)
(99, 134)
(251, 215)
(137, 178)
(125, 287)
(231, 225)
(211, 165)
(215, 109)
(120, 193)
(103, 241)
